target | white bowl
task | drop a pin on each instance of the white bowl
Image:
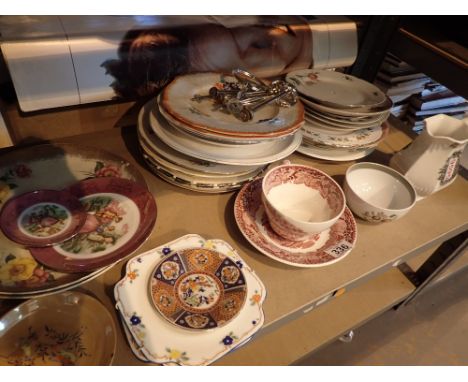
(301, 201)
(377, 193)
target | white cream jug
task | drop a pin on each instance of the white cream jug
(431, 161)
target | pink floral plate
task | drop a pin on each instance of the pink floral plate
(198, 288)
(120, 216)
(319, 250)
(42, 218)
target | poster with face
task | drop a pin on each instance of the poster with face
(83, 59)
(264, 45)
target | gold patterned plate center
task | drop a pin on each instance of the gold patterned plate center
(198, 288)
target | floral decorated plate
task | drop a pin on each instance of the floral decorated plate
(41, 218)
(147, 137)
(269, 121)
(48, 166)
(368, 137)
(333, 154)
(161, 341)
(328, 122)
(319, 250)
(352, 113)
(198, 288)
(338, 90)
(120, 216)
(263, 153)
(79, 331)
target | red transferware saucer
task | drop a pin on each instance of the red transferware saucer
(319, 250)
(120, 216)
(42, 218)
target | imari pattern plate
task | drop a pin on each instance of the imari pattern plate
(198, 288)
(163, 342)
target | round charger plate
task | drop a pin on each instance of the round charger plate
(322, 249)
(339, 90)
(42, 218)
(147, 136)
(269, 121)
(48, 166)
(120, 217)
(198, 289)
(263, 153)
(334, 154)
(70, 328)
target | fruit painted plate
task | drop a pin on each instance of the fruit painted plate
(319, 250)
(120, 216)
(65, 329)
(42, 218)
(198, 288)
(48, 166)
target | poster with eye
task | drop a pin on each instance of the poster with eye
(86, 59)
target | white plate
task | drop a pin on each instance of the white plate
(269, 121)
(336, 155)
(160, 341)
(146, 134)
(335, 89)
(159, 160)
(335, 122)
(186, 184)
(354, 139)
(263, 153)
(200, 183)
(342, 112)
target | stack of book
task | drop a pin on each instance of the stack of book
(434, 100)
(399, 80)
(416, 96)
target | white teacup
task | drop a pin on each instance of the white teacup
(301, 201)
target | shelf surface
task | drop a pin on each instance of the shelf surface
(291, 291)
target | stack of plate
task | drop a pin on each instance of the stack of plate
(189, 302)
(345, 116)
(34, 272)
(194, 145)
